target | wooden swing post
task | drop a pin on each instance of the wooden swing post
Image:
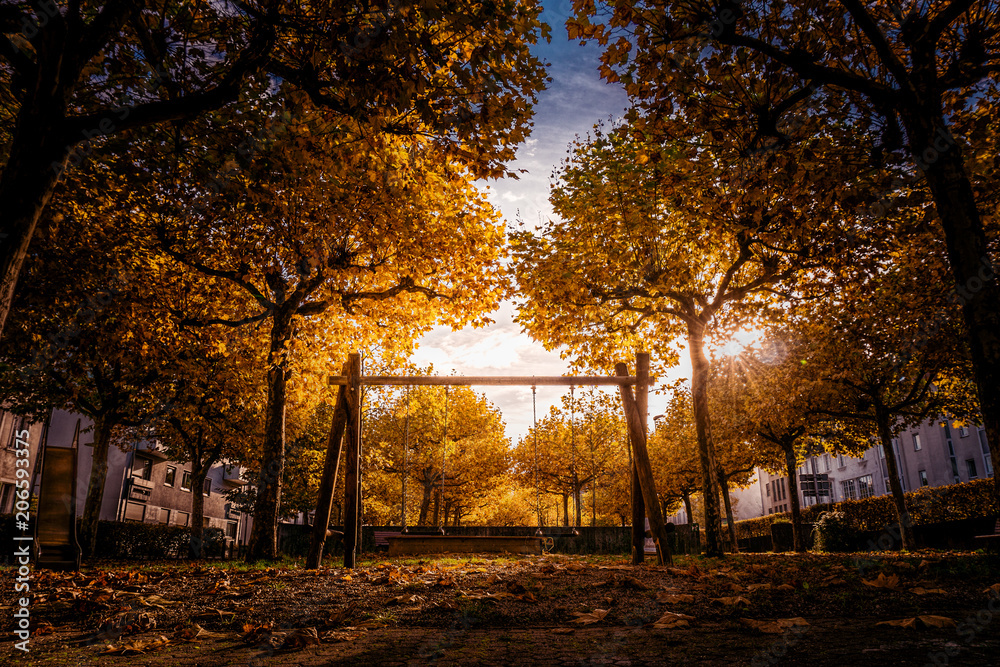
(328, 483)
(640, 458)
(352, 492)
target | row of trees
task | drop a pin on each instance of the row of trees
(205, 207)
(812, 168)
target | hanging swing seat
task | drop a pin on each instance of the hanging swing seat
(411, 544)
(548, 535)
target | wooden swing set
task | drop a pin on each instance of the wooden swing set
(346, 427)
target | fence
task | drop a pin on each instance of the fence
(293, 540)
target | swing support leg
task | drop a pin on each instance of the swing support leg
(324, 504)
(352, 491)
(640, 457)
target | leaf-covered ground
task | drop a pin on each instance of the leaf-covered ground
(927, 608)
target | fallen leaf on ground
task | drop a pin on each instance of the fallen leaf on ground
(212, 614)
(672, 620)
(785, 587)
(926, 621)
(299, 638)
(406, 599)
(731, 600)
(139, 646)
(343, 635)
(254, 633)
(928, 591)
(155, 601)
(774, 627)
(563, 631)
(882, 581)
(758, 587)
(576, 567)
(195, 631)
(994, 589)
(674, 598)
(588, 617)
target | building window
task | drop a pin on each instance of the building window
(143, 468)
(231, 530)
(767, 490)
(916, 442)
(208, 487)
(826, 463)
(963, 431)
(840, 461)
(186, 482)
(947, 430)
(987, 455)
(847, 486)
(954, 462)
(923, 477)
(971, 465)
(784, 489)
(6, 498)
(866, 488)
(164, 515)
(135, 512)
(168, 479)
(181, 518)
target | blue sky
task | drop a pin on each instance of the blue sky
(575, 100)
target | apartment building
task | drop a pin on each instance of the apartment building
(934, 453)
(143, 483)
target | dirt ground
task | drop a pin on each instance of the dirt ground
(920, 608)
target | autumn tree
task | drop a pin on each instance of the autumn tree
(213, 411)
(75, 73)
(652, 247)
(456, 453)
(675, 454)
(906, 80)
(327, 236)
(85, 339)
(884, 369)
(575, 448)
(774, 400)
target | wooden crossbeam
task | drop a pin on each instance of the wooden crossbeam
(463, 380)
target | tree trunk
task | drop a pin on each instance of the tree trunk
(437, 506)
(593, 501)
(687, 506)
(264, 537)
(791, 465)
(95, 489)
(425, 502)
(578, 503)
(706, 448)
(724, 485)
(898, 499)
(976, 288)
(565, 498)
(37, 156)
(197, 545)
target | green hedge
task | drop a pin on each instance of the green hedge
(929, 504)
(131, 539)
(134, 540)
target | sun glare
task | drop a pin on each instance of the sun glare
(739, 341)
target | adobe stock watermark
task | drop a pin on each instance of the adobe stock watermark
(22, 542)
(967, 631)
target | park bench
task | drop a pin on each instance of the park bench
(991, 542)
(382, 538)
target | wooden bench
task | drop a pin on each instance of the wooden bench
(382, 538)
(991, 542)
